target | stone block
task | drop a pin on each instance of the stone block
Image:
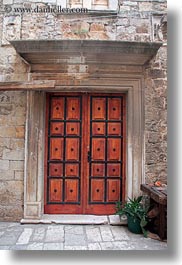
(17, 144)
(13, 154)
(25, 236)
(93, 234)
(74, 240)
(7, 131)
(95, 27)
(17, 165)
(106, 233)
(53, 246)
(6, 174)
(55, 234)
(13, 212)
(146, 6)
(20, 132)
(11, 28)
(19, 175)
(4, 164)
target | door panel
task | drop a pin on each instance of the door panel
(97, 191)
(85, 153)
(56, 149)
(55, 193)
(72, 149)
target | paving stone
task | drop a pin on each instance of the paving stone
(93, 234)
(124, 245)
(39, 234)
(18, 247)
(25, 236)
(74, 237)
(119, 233)
(55, 234)
(35, 246)
(94, 246)
(5, 247)
(106, 233)
(9, 238)
(75, 248)
(53, 246)
(77, 230)
(106, 246)
(74, 240)
(1, 233)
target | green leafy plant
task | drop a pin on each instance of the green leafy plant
(134, 208)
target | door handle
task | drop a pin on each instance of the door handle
(88, 156)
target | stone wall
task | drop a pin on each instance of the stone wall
(156, 118)
(12, 134)
(138, 20)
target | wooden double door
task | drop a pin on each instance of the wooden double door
(85, 153)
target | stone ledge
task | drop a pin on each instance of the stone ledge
(77, 219)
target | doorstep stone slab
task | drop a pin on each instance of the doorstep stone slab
(117, 220)
(68, 219)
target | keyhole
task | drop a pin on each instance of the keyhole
(55, 190)
(114, 129)
(114, 149)
(55, 170)
(113, 191)
(57, 108)
(56, 149)
(72, 129)
(114, 170)
(97, 190)
(98, 108)
(98, 149)
(71, 191)
(97, 169)
(72, 149)
(73, 108)
(71, 170)
(114, 109)
(98, 129)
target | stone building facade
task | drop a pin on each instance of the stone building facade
(138, 21)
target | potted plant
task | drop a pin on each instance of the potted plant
(136, 214)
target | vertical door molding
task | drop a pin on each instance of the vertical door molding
(34, 155)
(135, 139)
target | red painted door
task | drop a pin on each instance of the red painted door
(85, 153)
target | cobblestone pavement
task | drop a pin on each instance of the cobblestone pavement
(14, 236)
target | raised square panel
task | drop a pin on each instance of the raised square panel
(72, 170)
(57, 128)
(114, 149)
(73, 128)
(57, 108)
(56, 148)
(114, 128)
(113, 170)
(98, 170)
(114, 109)
(113, 189)
(98, 108)
(72, 149)
(56, 170)
(98, 128)
(71, 190)
(98, 149)
(55, 191)
(73, 109)
(97, 191)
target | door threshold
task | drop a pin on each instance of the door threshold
(77, 219)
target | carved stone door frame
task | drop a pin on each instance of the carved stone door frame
(34, 141)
